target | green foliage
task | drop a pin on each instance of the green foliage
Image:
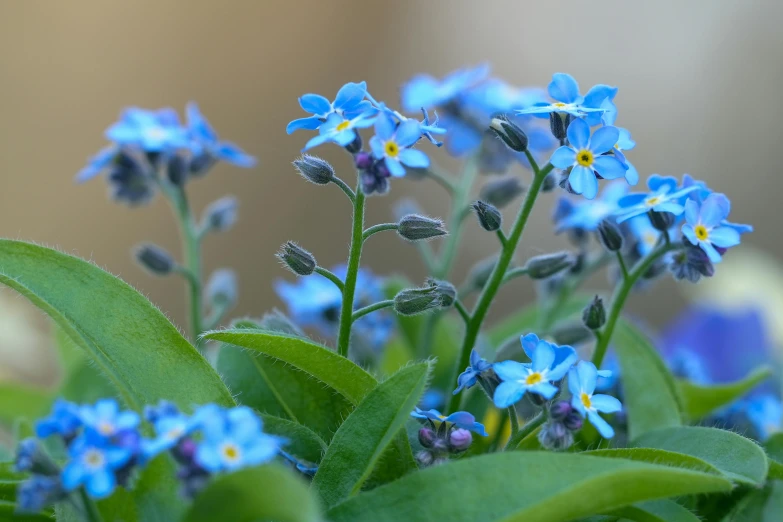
(523, 486)
(361, 439)
(656, 511)
(657, 456)
(700, 400)
(302, 442)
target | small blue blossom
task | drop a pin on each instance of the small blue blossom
(477, 366)
(644, 234)
(565, 91)
(64, 420)
(581, 214)
(392, 144)
(625, 142)
(204, 141)
(340, 130)
(765, 413)
(432, 399)
(585, 156)
(581, 383)
(701, 193)
(37, 493)
(549, 362)
(93, 464)
(150, 131)
(703, 225)
(170, 426)
(98, 163)
(426, 92)
(26, 454)
(106, 419)
(232, 439)
(461, 419)
(348, 104)
(662, 197)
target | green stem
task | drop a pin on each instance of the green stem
(442, 178)
(501, 237)
(463, 312)
(361, 312)
(623, 267)
(498, 273)
(529, 427)
(512, 416)
(91, 512)
(346, 312)
(345, 188)
(514, 273)
(499, 433)
(378, 228)
(619, 297)
(328, 274)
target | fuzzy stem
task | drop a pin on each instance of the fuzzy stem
(345, 188)
(379, 228)
(354, 256)
(529, 427)
(512, 416)
(328, 274)
(361, 312)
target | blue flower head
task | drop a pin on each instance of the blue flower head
(425, 92)
(662, 197)
(477, 366)
(93, 464)
(348, 104)
(549, 363)
(170, 426)
(581, 214)
(704, 225)
(392, 144)
(644, 234)
(765, 413)
(204, 141)
(150, 131)
(701, 193)
(64, 420)
(460, 419)
(585, 156)
(625, 142)
(565, 91)
(339, 129)
(581, 383)
(232, 439)
(106, 420)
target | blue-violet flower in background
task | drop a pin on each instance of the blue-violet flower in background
(93, 463)
(204, 141)
(151, 131)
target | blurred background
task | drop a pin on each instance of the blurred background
(699, 88)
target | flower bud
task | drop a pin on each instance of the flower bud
(447, 292)
(356, 145)
(37, 493)
(514, 137)
(426, 437)
(488, 216)
(156, 260)
(221, 214)
(573, 421)
(555, 436)
(415, 227)
(412, 301)
(460, 440)
(31, 457)
(296, 258)
(550, 182)
(314, 169)
(610, 236)
(691, 263)
(661, 221)
(557, 126)
(547, 265)
(362, 160)
(560, 410)
(221, 287)
(177, 170)
(502, 191)
(594, 314)
(571, 333)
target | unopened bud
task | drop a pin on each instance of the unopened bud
(501, 192)
(571, 333)
(460, 440)
(447, 292)
(177, 170)
(594, 314)
(221, 287)
(363, 160)
(555, 436)
(661, 221)
(221, 214)
(415, 227)
(514, 137)
(356, 145)
(425, 458)
(426, 437)
(489, 217)
(550, 182)
(156, 260)
(479, 274)
(296, 258)
(314, 169)
(610, 236)
(412, 301)
(547, 265)
(31, 457)
(560, 410)
(557, 126)
(573, 421)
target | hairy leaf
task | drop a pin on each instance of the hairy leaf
(700, 400)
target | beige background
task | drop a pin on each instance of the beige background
(699, 88)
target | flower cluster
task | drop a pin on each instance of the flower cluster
(445, 435)
(104, 447)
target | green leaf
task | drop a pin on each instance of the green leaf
(738, 458)
(657, 456)
(303, 442)
(267, 492)
(656, 511)
(362, 438)
(649, 391)
(8, 513)
(700, 400)
(525, 487)
(774, 448)
(396, 354)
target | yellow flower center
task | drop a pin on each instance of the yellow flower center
(586, 402)
(155, 133)
(701, 232)
(584, 157)
(94, 458)
(343, 125)
(230, 452)
(105, 428)
(650, 239)
(391, 148)
(651, 202)
(533, 378)
(175, 433)
(559, 105)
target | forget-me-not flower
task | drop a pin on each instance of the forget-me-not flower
(565, 91)
(581, 214)
(170, 426)
(205, 140)
(392, 144)
(426, 92)
(93, 463)
(549, 362)
(585, 154)
(339, 129)
(150, 131)
(477, 366)
(461, 419)
(703, 225)
(645, 235)
(581, 383)
(106, 419)
(625, 142)
(765, 413)
(701, 193)
(38, 492)
(348, 103)
(64, 420)
(663, 197)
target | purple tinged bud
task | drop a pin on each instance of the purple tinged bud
(426, 437)
(555, 436)
(424, 458)
(560, 410)
(363, 160)
(573, 421)
(460, 440)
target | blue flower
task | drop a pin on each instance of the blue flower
(392, 144)
(348, 103)
(581, 383)
(170, 426)
(151, 131)
(106, 419)
(584, 154)
(425, 92)
(645, 235)
(703, 225)
(581, 214)
(64, 420)
(232, 439)
(93, 463)
(625, 142)
(340, 130)
(27, 452)
(37, 493)
(565, 91)
(663, 197)
(700, 194)
(765, 413)
(460, 419)
(205, 141)
(98, 163)
(549, 362)
(476, 367)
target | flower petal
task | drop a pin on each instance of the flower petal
(691, 213)
(631, 174)
(384, 126)
(543, 356)
(507, 393)
(604, 139)
(606, 403)
(690, 235)
(583, 181)
(587, 374)
(395, 167)
(563, 88)
(609, 167)
(545, 389)
(724, 237)
(529, 343)
(100, 484)
(563, 157)
(315, 104)
(561, 368)
(714, 210)
(414, 158)
(510, 370)
(309, 123)
(578, 134)
(350, 95)
(601, 425)
(712, 254)
(407, 133)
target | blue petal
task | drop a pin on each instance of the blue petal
(691, 212)
(669, 206)
(100, 484)
(609, 167)
(384, 126)
(316, 140)
(309, 123)
(598, 94)
(631, 174)
(724, 237)
(690, 235)
(625, 142)
(605, 403)
(544, 389)
(315, 104)
(601, 425)
(198, 124)
(631, 200)
(563, 88)
(414, 158)
(583, 181)
(604, 139)
(208, 457)
(561, 368)
(563, 157)
(578, 134)
(510, 370)
(395, 167)
(587, 374)
(507, 393)
(72, 475)
(231, 153)
(656, 182)
(461, 418)
(712, 254)
(376, 145)
(714, 210)
(350, 95)
(740, 228)
(97, 163)
(529, 343)
(407, 133)
(543, 356)
(421, 91)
